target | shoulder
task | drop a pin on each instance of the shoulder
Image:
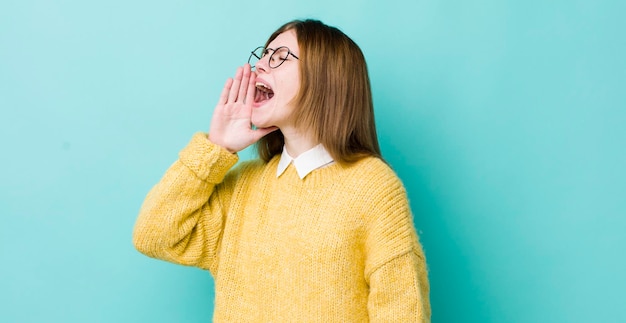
(253, 165)
(250, 169)
(373, 175)
(388, 222)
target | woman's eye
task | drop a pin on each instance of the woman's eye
(282, 54)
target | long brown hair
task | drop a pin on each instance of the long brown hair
(335, 99)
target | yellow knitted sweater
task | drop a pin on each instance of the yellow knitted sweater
(336, 246)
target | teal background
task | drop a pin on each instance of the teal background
(505, 120)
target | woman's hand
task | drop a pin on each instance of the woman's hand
(230, 126)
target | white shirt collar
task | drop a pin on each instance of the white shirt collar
(307, 162)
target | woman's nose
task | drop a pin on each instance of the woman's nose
(261, 65)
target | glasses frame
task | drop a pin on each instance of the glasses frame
(274, 51)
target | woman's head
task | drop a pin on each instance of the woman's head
(333, 101)
(278, 82)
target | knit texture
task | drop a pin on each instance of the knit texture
(336, 246)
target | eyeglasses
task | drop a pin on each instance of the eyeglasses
(278, 56)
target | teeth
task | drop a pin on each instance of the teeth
(261, 85)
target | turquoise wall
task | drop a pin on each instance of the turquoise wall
(505, 120)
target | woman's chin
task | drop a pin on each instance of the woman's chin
(259, 122)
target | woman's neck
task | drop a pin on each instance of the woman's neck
(297, 142)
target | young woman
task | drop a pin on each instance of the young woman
(319, 228)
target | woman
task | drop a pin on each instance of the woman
(319, 228)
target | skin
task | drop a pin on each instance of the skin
(236, 111)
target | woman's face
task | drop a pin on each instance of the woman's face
(276, 87)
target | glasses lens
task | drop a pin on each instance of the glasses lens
(255, 56)
(278, 57)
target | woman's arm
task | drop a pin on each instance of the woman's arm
(399, 290)
(396, 268)
(182, 216)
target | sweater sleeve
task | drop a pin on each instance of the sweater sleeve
(395, 267)
(182, 216)
(399, 290)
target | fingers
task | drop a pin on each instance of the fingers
(232, 96)
(245, 82)
(224, 96)
(251, 89)
(240, 87)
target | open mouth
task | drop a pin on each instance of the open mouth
(263, 93)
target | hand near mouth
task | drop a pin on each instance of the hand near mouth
(230, 125)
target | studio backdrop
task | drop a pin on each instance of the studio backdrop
(504, 119)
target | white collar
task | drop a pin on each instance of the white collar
(307, 162)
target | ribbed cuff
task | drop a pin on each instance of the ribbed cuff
(207, 160)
